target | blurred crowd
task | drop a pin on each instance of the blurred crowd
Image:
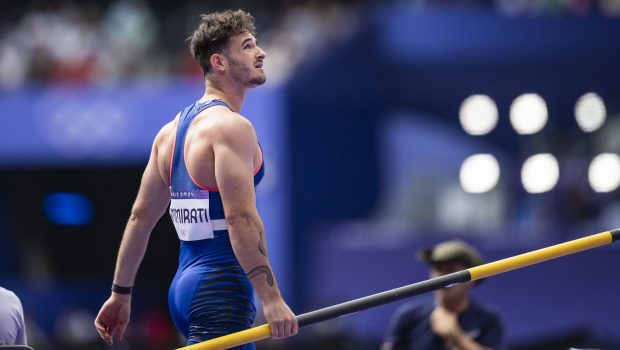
(101, 41)
(87, 41)
(531, 7)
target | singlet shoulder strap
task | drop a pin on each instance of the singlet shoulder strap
(179, 175)
(204, 105)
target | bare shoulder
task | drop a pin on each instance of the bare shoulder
(161, 151)
(167, 130)
(166, 133)
(226, 125)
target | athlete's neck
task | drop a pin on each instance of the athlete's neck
(232, 95)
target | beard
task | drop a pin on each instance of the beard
(243, 74)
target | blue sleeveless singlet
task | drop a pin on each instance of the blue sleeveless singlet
(210, 295)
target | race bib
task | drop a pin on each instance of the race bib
(189, 211)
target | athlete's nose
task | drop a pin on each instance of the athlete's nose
(261, 54)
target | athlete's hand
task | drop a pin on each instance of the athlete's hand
(113, 317)
(281, 319)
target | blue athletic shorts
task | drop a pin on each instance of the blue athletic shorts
(210, 302)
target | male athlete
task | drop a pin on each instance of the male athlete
(205, 165)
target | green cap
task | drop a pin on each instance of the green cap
(455, 249)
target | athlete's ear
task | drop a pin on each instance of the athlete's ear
(218, 62)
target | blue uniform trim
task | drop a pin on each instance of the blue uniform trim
(210, 295)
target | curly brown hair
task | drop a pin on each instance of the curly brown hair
(213, 33)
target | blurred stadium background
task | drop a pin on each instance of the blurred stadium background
(387, 126)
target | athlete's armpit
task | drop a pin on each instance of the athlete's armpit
(262, 269)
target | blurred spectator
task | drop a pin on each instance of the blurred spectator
(12, 329)
(128, 29)
(454, 320)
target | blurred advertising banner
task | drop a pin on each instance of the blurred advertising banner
(103, 124)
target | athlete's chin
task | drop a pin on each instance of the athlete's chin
(260, 80)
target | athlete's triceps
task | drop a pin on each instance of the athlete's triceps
(234, 152)
(150, 204)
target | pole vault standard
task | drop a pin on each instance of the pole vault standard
(472, 274)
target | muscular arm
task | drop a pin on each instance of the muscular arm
(151, 202)
(234, 150)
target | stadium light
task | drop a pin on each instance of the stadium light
(540, 173)
(604, 172)
(528, 114)
(478, 115)
(479, 173)
(590, 112)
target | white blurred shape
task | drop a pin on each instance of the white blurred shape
(512, 7)
(540, 173)
(478, 114)
(590, 112)
(609, 7)
(73, 327)
(604, 172)
(479, 173)
(528, 114)
(482, 213)
(13, 66)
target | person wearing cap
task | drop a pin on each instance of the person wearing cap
(454, 320)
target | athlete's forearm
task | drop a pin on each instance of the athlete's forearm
(247, 237)
(150, 204)
(131, 252)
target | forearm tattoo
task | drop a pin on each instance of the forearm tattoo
(262, 269)
(261, 248)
